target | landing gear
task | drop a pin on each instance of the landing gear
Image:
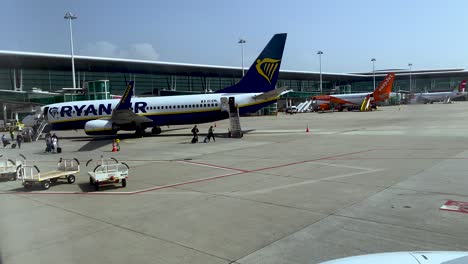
(115, 128)
(156, 130)
(139, 131)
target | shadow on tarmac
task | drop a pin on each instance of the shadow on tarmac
(86, 187)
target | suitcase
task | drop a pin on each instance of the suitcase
(59, 150)
(13, 145)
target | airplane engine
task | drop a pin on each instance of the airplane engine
(100, 127)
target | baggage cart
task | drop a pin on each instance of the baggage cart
(10, 168)
(106, 174)
(66, 169)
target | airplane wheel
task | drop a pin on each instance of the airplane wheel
(156, 130)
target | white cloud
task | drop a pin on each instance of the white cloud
(142, 51)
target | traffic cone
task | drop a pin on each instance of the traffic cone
(307, 129)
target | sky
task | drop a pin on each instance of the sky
(427, 33)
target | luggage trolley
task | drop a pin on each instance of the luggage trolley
(106, 173)
(11, 168)
(66, 168)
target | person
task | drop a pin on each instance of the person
(211, 134)
(5, 141)
(48, 140)
(12, 133)
(117, 143)
(195, 134)
(19, 139)
(54, 143)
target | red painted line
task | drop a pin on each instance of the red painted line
(211, 165)
(239, 172)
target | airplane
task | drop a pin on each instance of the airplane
(106, 117)
(350, 101)
(418, 257)
(445, 97)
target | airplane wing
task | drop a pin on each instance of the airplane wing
(273, 93)
(122, 114)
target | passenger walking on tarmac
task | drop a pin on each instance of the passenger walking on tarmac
(54, 142)
(19, 139)
(5, 141)
(211, 134)
(195, 134)
(48, 140)
(12, 134)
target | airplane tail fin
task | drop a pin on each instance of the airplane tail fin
(124, 102)
(263, 74)
(462, 86)
(385, 88)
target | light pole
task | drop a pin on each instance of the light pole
(70, 17)
(320, 66)
(242, 42)
(410, 82)
(373, 69)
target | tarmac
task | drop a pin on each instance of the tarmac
(356, 183)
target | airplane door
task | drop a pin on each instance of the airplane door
(232, 104)
(224, 104)
(45, 112)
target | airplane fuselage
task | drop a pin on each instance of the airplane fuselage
(167, 110)
(439, 96)
(346, 99)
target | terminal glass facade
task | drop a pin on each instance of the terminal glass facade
(167, 84)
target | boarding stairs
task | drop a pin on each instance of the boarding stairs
(234, 119)
(306, 106)
(365, 104)
(42, 122)
(300, 106)
(229, 105)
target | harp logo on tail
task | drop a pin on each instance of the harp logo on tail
(267, 68)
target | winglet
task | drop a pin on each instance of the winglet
(126, 97)
(385, 88)
(462, 86)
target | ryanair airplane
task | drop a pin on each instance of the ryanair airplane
(106, 117)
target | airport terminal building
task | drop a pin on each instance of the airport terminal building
(41, 78)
